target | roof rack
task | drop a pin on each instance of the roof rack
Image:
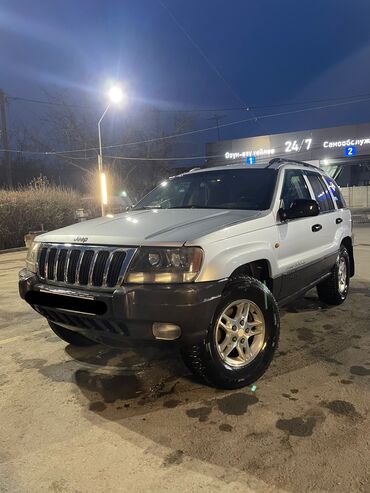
(282, 160)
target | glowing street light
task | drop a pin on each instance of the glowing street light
(115, 95)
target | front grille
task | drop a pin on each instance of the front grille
(83, 265)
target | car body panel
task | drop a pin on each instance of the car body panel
(171, 227)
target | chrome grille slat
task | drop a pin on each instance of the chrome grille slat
(106, 270)
(46, 268)
(65, 275)
(56, 263)
(92, 266)
(78, 268)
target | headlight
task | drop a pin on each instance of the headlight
(166, 265)
(31, 259)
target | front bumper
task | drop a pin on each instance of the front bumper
(128, 313)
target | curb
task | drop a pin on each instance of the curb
(11, 250)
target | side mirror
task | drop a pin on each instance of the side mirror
(300, 208)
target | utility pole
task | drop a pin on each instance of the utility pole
(217, 118)
(5, 142)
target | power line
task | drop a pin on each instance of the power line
(208, 61)
(51, 103)
(200, 110)
(192, 132)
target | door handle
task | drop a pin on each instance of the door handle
(316, 227)
(338, 220)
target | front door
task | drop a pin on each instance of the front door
(300, 240)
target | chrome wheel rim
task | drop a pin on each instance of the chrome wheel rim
(240, 333)
(342, 275)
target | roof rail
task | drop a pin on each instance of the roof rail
(283, 160)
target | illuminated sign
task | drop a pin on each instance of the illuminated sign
(308, 145)
(295, 146)
(290, 146)
(250, 160)
(350, 151)
(245, 154)
(346, 143)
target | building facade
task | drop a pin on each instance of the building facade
(344, 152)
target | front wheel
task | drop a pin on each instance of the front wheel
(73, 338)
(334, 289)
(241, 339)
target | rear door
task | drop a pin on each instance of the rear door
(343, 223)
(325, 225)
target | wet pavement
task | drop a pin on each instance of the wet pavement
(100, 419)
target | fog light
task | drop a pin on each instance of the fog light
(166, 332)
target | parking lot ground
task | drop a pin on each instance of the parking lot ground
(106, 420)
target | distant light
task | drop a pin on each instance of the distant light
(116, 95)
(325, 162)
(104, 191)
(109, 215)
(164, 183)
(123, 193)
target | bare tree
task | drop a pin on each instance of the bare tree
(71, 125)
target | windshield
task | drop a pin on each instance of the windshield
(250, 189)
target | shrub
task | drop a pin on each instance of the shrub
(35, 207)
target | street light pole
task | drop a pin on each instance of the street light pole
(115, 95)
(102, 177)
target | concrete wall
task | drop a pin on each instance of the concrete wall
(357, 197)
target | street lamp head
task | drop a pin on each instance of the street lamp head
(116, 95)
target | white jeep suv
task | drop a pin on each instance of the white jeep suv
(204, 259)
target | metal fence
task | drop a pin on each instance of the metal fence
(357, 197)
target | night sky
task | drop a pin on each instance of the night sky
(267, 52)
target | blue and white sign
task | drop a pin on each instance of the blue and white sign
(350, 151)
(250, 160)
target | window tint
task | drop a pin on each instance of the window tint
(322, 194)
(337, 195)
(294, 188)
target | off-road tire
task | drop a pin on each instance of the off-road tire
(73, 338)
(328, 290)
(204, 360)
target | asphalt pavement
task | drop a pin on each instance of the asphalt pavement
(106, 420)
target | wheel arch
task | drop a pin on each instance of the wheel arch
(259, 269)
(347, 242)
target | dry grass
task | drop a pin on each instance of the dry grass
(34, 207)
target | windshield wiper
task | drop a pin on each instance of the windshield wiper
(189, 207)
(147, 207)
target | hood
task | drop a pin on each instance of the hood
(172, 227)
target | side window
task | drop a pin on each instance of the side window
(322, 194)
(294, 188)
(336, 193)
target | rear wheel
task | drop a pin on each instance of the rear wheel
(241, 339)
(334, 289)
(73, 338)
